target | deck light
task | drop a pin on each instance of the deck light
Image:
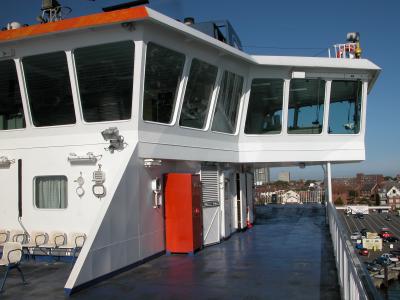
(5, 163)
(151, 162)
(298, 75)
(89, 158)
(116, 140)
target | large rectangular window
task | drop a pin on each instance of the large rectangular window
(51, 192)
(227, 108)
(49, 89)
(306, 106)
(105, 77)
(264, 113)
(164, 69)
(198, 94)
(11, 111)
(345, 107)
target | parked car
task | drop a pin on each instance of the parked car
(359, 216)
(359, 246)
(396, 253)
(355, 235)
(385, 233)
(388, 218)
(373, 266)
(364, 231)
(390, 239)
(383, 261)
(390, 256)
(364, 252)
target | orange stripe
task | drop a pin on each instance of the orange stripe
(117, 16)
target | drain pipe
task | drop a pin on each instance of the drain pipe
(20, 198)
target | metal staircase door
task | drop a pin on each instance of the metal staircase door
(211, 206)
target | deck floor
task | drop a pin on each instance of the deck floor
(288, 255)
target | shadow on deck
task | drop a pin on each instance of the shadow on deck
(287, 255)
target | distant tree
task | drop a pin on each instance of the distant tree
(389, 178)
(339, 201)
(353, 194)
(280, 183)
(351, 201)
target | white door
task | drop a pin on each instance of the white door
(250, 197)
(211, 205)
(226, 204)
(243, 201)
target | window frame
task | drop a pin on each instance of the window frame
(23, 93)
(362, 111)
(25, 96)
(324, 102)
(34, 193)
(212, 100)
(284, 112)
(77, 89)
(240, 102)
(180, 88)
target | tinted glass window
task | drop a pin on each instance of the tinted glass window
(49, 89)
(306, 106)
(105, 77)
(51, 192)
(345, 107)
(198, 94)
(163, 74)
(11, 111)
(264, 114)
(226, 111)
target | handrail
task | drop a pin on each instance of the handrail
(354, 279)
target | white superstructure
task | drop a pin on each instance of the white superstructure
(167, 98)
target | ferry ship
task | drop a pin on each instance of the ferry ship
(113, 124)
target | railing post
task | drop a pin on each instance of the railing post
(329, 181)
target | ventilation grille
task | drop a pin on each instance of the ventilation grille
(210, 186)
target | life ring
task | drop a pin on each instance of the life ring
(80, 191)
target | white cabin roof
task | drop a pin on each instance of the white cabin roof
(143, 14)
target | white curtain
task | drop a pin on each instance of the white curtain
(51, 192)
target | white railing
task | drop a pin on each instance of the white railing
(347, 50)
(354, 280)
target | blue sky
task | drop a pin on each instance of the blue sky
(295, 27)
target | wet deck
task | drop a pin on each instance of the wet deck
(288, 255)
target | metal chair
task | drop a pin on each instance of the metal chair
(11, 258)
(4, 235)
(74, 244)
(55, 240)
(37, 238)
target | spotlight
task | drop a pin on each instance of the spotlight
(116, 140)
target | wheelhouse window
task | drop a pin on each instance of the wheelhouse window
(105, 77)
(198, 94)
(306, 106)
(227, 108)
(264, 114)
(51, 192)
(11, 111)
(164, 69)
(49, 89)
(345, 107)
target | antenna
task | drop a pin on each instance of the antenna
(52, 11)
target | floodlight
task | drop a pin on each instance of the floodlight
(116, 140)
